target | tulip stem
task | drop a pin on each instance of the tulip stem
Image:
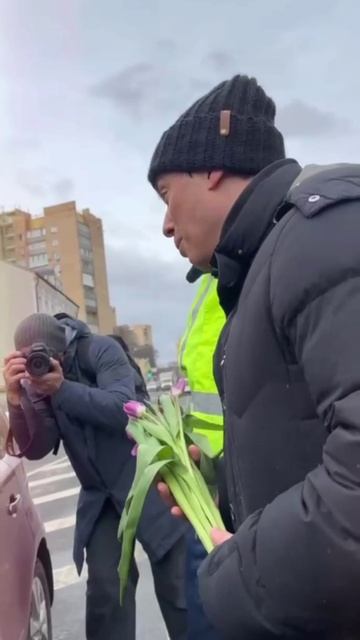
(185, 502)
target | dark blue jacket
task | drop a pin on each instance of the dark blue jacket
(88, 418)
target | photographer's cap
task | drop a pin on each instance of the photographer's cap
(43, 328)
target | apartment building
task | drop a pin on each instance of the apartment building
(66, 247)
(24, 292)
(140, 341)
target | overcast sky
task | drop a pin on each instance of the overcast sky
(88, 86)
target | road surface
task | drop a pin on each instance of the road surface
(55, 488)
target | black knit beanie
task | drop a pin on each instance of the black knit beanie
(43, 328)
(230, 129)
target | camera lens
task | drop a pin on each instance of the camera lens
(38, 364)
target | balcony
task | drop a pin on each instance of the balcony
(91, 305)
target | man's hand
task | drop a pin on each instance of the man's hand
(14, 371)
(51, 382)
(164, 491)
(217, 535)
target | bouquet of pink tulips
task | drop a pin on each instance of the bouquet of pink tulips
(162, 440)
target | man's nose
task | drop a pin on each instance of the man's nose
(168, 226)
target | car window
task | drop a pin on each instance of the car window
(4, 427)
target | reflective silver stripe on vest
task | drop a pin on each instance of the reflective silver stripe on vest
(208, 403)
(194, 314)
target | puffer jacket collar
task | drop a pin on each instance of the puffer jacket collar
(249, 222)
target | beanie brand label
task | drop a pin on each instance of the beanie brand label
(225, 117)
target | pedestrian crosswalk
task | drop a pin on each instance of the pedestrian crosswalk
(54, 489)
(60, 523)
(50, 497)
(45, 483)
(61, 476)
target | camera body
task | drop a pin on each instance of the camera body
(38, 360)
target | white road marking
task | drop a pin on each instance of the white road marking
(61, 476)
(140, 554)
(49, 465)
(50, 497)
(66, 576)
(59, 465)
(60, 523)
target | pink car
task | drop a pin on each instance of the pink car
(26, 579)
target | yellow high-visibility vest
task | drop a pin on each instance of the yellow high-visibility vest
(196, 349)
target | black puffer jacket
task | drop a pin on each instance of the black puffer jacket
(288, 368)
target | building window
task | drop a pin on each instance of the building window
(55, 243)
(36, 233)
(89, 293)
(85, 243)
(86, 252)
(54, 229)
(87, 267)
(37, 247)
(88, 280)
(90, 304)
(84, 230)
(9, 231)
(39, 260)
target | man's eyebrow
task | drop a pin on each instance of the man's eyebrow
(160, 190)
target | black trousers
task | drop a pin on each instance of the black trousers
(105, 619)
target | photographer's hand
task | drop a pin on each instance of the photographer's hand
(50, 383)
(14, 372)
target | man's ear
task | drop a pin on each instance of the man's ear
(214, 179)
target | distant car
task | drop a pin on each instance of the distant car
(152, 386)
(166, 380)
(166, 385)
(26, 577)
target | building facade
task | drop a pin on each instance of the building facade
(139, 338)
(23, 293)
(66, 248)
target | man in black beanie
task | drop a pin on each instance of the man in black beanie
(284, 244)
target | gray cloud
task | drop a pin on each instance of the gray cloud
(150, 290)
(152, 89)
(31, 183)
(221, 61)
(21, 143)
(63, 189)
(128, 88)
(148, 64)
(299, 119)
(39, 184)
(166, 46)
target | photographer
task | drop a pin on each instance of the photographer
(65, 384)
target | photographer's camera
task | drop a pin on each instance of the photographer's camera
(38, 360)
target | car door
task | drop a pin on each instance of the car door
(16, 548)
